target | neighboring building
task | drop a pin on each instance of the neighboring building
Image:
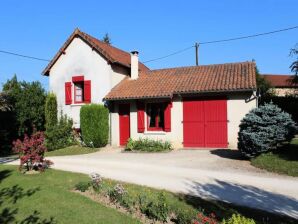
(197, 106)
(281, 84)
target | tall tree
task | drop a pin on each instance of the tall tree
(262, 84)
(106, 38)
(28, 102)
(5, 102)
(294, 65)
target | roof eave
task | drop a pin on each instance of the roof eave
(180, 93)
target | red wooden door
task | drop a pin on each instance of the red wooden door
(205, 123)
(124, 123)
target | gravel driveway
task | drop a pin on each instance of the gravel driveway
(217, 174)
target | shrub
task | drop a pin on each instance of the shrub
(51, 114)
(96, 181)
(82, 186)
(94, 121)
(238, 219)
(148, 145)
(184, 216)
(263, 129)
(158, 209)
(117, 193)
(31, 151)
(60, 135)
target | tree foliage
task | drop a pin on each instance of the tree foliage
(28, 103)
(31, 151)
(263, 129)
(262, 84)
(106, 38)
(51, 113)
(294, 65)
(94, 119)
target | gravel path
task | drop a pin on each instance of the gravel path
(217, 174)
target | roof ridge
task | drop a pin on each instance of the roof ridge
(109, 45)
(209, 65)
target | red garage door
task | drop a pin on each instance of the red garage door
(205, 123)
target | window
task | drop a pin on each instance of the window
(155, 113)
(78, 92)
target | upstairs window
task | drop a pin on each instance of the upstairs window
(79, 92)
(155, 113)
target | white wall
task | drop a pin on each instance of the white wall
(80, 59)
(237, 105)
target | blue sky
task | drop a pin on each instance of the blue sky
(154, 28)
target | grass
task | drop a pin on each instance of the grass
(72, 150)
(50, 195)
(283, 161)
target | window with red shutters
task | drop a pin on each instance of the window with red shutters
(82, 89)
(159, 116)
(68, 99)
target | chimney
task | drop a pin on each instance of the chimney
(134, 65)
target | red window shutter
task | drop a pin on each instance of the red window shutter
(141, 116)
(68, 99)
(168, 117)
(87, 91)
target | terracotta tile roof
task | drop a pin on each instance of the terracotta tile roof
(112, 54)
(195, 79)
(279, 80)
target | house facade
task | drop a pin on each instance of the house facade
(196, 106)
(281, 85)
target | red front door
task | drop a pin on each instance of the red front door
(205, 123)
(124, 123)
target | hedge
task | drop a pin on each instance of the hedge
(94, 122)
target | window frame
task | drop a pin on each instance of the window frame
(156, 128)
(75, 91)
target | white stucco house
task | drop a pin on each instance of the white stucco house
(195, 106)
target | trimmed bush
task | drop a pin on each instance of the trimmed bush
(60, 135)
(238, 219)
(263, 129)
(51, 113)
(82, 186)
(148, 145)
(94, 120)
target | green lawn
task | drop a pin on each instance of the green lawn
(72, 150)
(49, 194)
(284, 160)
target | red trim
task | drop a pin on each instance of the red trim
(87, 91)
(75, 101)
(141, 116)
(78, 78)
(167, 117)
